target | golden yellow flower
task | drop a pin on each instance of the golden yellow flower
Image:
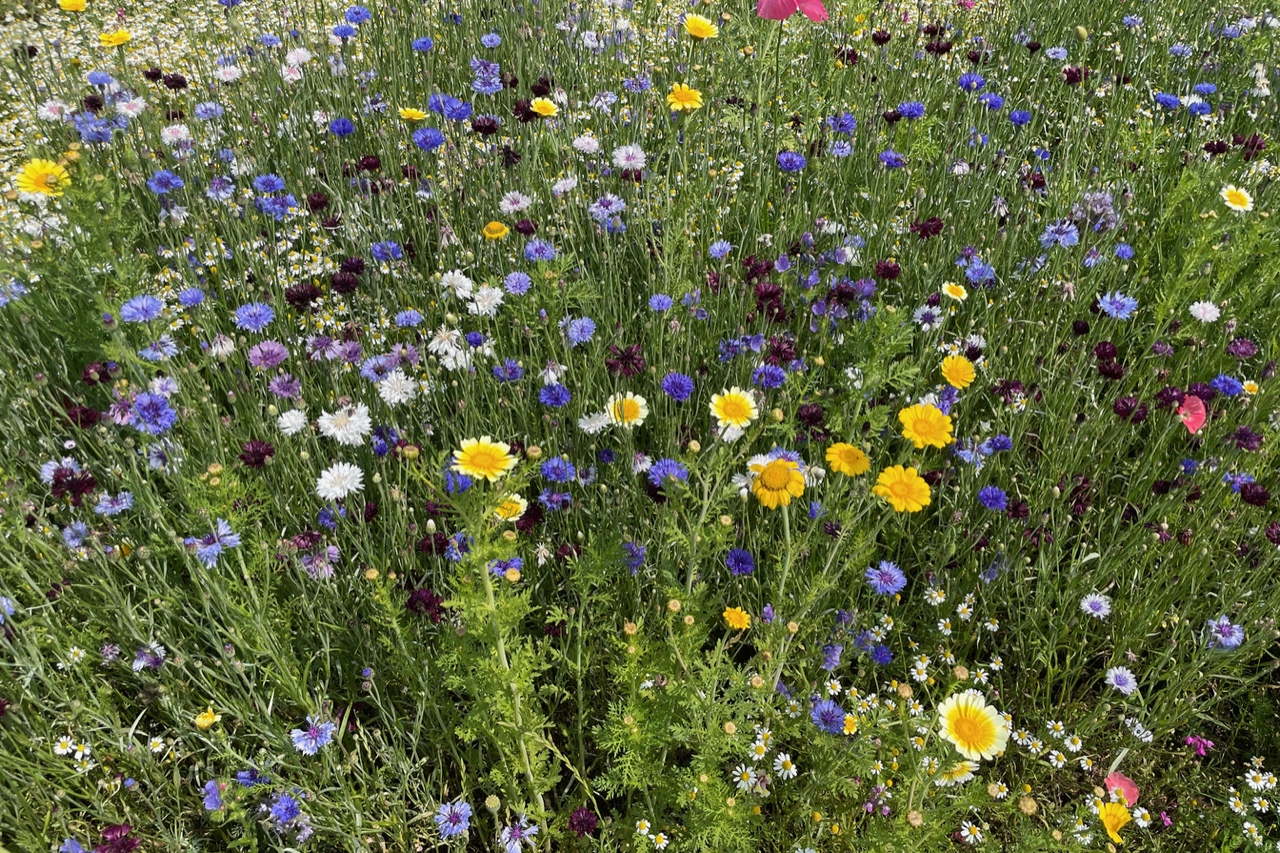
(925, 424)
(734, 408)
(71, 5)
(44, 177)
(1237, 199)
(412, 114)
(958, 371)
(974, 728)
(955, 291)
(776, 482)
(115, 39)
(1114, 817)
(495, 231)
(956, 774)
(683, 99)
(543, 107)
(737, 618)
(627, 410)
(512, 508)
(484, 458)
(205, 719)
(847, 459)
(700, 28)
(850, 724)
(903, 488)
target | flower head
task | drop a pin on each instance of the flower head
(777, 481)
(681, 98)
(206, 719)
(1237, 199)
(926, 424)
(483, 458)
(847, 459)
(958, 371)
(734, 408)
(1114, 816)
(903, 488)
(626, 410)
(42, 177)
(977, 730)
(737, 618)
(700, 28)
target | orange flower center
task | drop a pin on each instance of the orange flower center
(776, 475)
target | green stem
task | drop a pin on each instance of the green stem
(787, 553)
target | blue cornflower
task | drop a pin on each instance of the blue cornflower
(428, 138)
(1204, 88)
(357, 15)
(667, 469)
(828, 716)
(342, 127)
(284, 809)
(517, 283)
(254, 316)
(208, 111)
(386, 251)
(790, 161)
(578, 330)
(554, 396)
(211, 545)
(423, 44)
(268, 183)
(740, 561)
(993, 498)
(1124, 251)
(881, 655)
(491, 40)
(971, 81)
(1131, 21)
(831, 654)
(160, 350)
(475, 340)
(557, 469)
(99, 78)
(164, 182)
(1061, 233)
(344, 31)
(191, 297)
(555, 501)
(769, 376)
(892, 159)
(719, 249)
(991, 100)
(269, 40)
(539, 250)
(249, 778)
(1223, 634)
(1020, 117)
(677, 386)
(1117, 306)
(1228, 385)
(660, 302)
(453, 818)
(153, 414)
(73, 536)
(886, 578)
(108, 505)
(141, 309)
(509, 371)
(409, 318)
(911, 109)
(1057, 54)
(317, 734)
(635, 553)
(844, 123)
(841, 148)
(1169, 102)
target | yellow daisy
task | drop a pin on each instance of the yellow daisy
(847, 459)
(71, 5)
(206, 719)
(737, 618)
(114, 39)
(958, 371)
(627, 410)
(903, 488)
(926, 425)
(700, 28)
(1237, 199)
(955, 291)
(495, 231)
(1114, 817)
(412, 114)
(956, 774)
(683, 99)
(44, 177)
(512, 508)
(544, 107)
(483, 458)
(776, 482)
(734, 408)
(974, 728)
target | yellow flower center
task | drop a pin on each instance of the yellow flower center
(776, 475)
(734, 410)
(972, 729)
(626, 410)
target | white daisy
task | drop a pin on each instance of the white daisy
(784, 766)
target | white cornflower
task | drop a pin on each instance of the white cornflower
(486, 302)
(174, 134)
(1205, 312)
(1097, 605)
(292, 422)
(514, 202)
(630, 157)
(456, 282)
(339, 480)
(396, 388)
(348, 426)
(1122, 679)
(586, 144)
(298, 56)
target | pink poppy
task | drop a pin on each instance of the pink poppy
(1126, 787)
(780, 10)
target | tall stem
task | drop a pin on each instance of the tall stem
(786, 556)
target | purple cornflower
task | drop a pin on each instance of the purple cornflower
(539, 250)
(164, 182)
(558, 470)
(210, 547)
(993, 498)
(740, 561)
(150, 656)
(316, 735)
(892, 159)
(886, 578)
(828, 716)
(1223, 634)
(517, 833)
(453, 818)
(677, 386)
(267, 354)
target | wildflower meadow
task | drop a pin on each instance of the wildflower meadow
(628, 425)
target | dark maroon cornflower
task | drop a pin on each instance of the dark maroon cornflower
(523, 111)
(425, 602)
(554, 629)
(1032, 46)
(880, 38)
(1202, 390)
(847, 55)
(1130, 409)
(174, 82)
(369, 163)
(117, 839)
(1273, 533)
(1242, 348)
(317, 202)
(756, 269)
(333, 223)
(810, 415)
(1254, 494)
(1253, 146)
(484, 125)
(256, 453)
(924, 229)
(525, 227)
(1018, 511)
(1007, 390)
(542, 87)
(532, 518)
(345, 282)
(354, 265)
(629, 361)
(300, 296)
(1079, 328)
(888, 270)
(938, 48)
(1105, 351)
(370, 511)
(433, 543)
(780, 351)
(83, 417)
(510, 156)
(1169, 397)
(1161, 349)
(153, 74)
(1073, 75)
(832, 529)
(72, 483)
(1245, 438)
(583, 821)
(1111, 370)
(92, 103)
(891, 116)
(1215, 147)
